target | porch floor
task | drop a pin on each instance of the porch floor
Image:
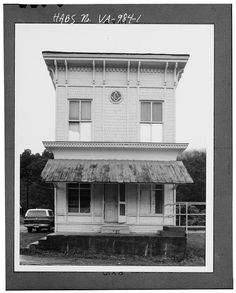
(95, 234)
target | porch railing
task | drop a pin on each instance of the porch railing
(190, 215)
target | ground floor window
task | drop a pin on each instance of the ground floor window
(79, 197)
(151, 199)
(158, 191)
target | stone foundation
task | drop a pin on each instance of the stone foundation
(167, 243)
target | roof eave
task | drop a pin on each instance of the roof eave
(54, 55)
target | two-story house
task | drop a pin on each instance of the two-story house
(114, 167)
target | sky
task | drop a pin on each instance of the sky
(35, 94)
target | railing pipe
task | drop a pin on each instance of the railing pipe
(186, 214)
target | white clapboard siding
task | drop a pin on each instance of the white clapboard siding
(92, 222)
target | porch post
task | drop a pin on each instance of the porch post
(163, 211)
(138, 205)
(174, 203)
(55, 207)
(103, 204)
(92, 202)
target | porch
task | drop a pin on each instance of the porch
(113, 196)
(169, 242)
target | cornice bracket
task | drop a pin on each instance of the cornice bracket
(175, 73)
(66, 67)
(56, 71)
(128, 72)
(165, 77)
(94, 65)
(139, 67)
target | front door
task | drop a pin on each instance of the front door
(111, 203)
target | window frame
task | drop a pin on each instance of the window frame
(78, 190)
(78, 121)
(151, 187)
(163, 196)
(151, 122)
(151, 113)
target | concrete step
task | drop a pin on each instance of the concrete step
(172, 234)
(172, 231)
(115, 229)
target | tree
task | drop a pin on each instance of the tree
(195, 163)
(34, 193)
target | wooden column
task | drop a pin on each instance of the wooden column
(92, 202)
(103, 203)
(174, 201)
(55, 207)
(138, 205)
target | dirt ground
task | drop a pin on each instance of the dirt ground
(195, 255)
(27, 238)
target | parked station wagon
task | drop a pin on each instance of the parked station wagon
(39, 219)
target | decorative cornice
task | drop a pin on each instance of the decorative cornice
(112, 69)
(179, 74)
(51, 55)
(123, 145)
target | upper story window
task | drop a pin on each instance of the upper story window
(80, 120)
(151, 121)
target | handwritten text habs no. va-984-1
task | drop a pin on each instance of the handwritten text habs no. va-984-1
(102, 19)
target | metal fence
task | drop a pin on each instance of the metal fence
(190, 215)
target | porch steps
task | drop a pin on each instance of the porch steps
(115, 229)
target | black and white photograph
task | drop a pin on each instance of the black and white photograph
(113, 156)
(115, 140)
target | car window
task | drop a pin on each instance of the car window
(36, 214)
(50, 213)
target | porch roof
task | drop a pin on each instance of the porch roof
(105, 171)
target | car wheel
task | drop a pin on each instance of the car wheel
(29, 229)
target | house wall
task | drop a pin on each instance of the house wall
(138, 222)
(125, 116)
(116, 154)
(114, 122)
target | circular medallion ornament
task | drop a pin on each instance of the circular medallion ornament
(116, 97)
